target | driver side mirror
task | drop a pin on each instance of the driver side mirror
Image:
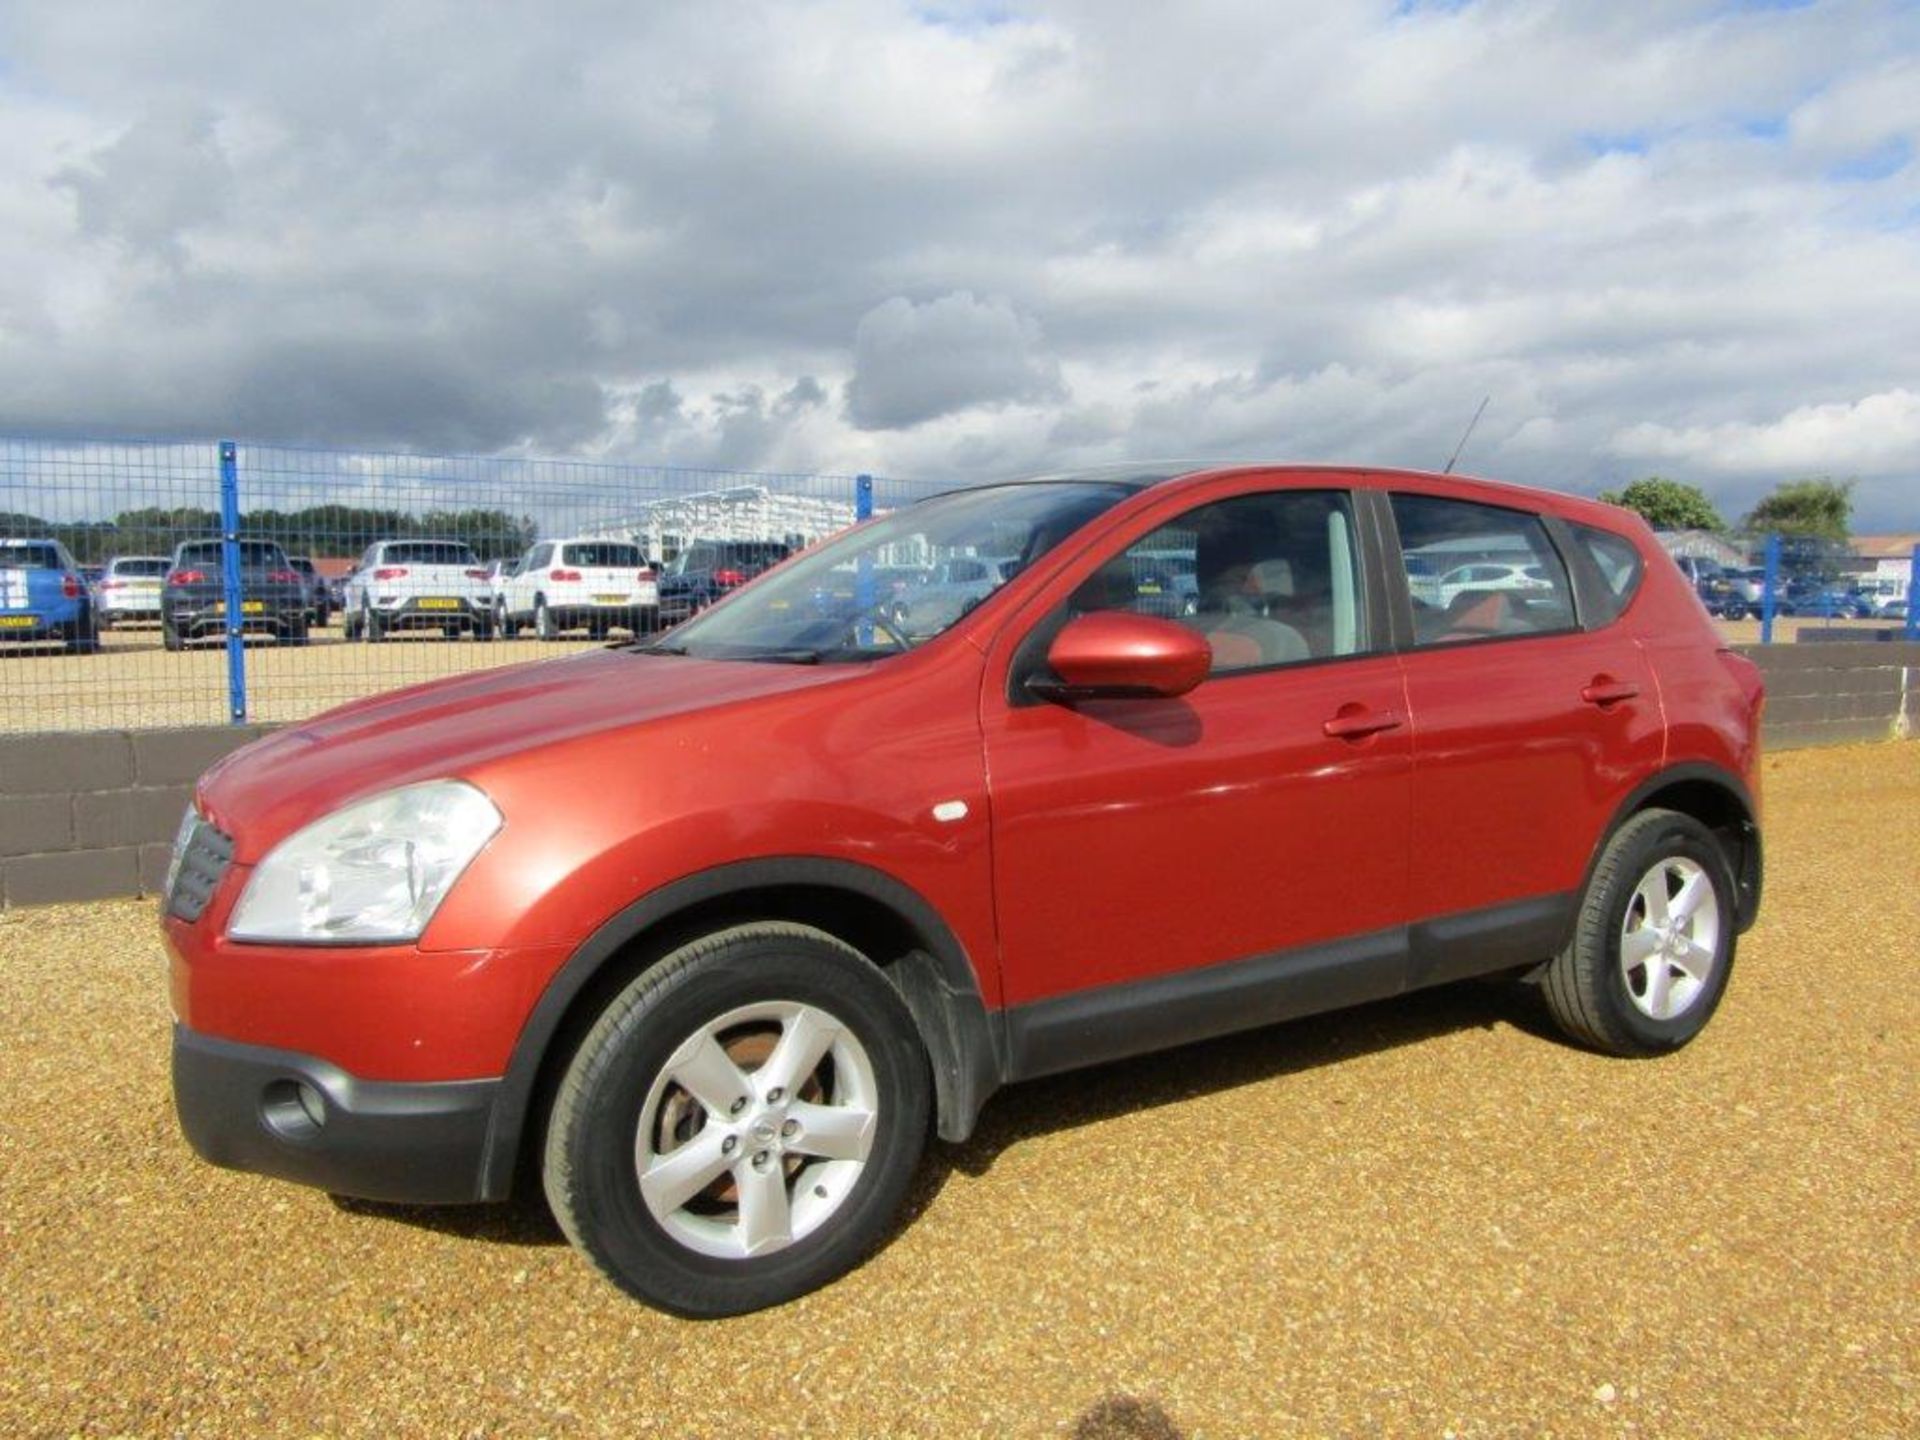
(1118, 655)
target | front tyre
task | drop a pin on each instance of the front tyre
(741, 1124)
(1654, 944)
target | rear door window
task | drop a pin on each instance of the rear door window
(1479, 572)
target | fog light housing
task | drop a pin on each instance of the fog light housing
(293, 1109)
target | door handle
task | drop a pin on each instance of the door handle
(1355, 723)
(1605, 691)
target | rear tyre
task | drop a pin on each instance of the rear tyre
(543, 625)
(82, 637)
(1653, 947)
(741, 1124)
(170, 638)
(373, 626)
(483, 630)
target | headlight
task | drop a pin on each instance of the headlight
(373, 872)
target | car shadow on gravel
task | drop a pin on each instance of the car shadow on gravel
(1086, 1097)
(524, 1220)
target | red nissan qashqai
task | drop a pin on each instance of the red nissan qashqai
(709, 932)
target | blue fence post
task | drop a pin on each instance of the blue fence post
(230, 566)
(863, 568)
(1913, 595)
(1770, 587)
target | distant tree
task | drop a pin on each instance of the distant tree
(1668, 504)
(1820, 509)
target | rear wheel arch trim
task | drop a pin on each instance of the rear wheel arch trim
(964, 1039)
(1746, 876)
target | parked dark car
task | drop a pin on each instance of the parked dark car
(1824, 601)
(708, 570)
(319, 597)
(273, 595)
(709, 934)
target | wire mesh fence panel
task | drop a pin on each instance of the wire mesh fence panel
(349, 573)
(88, 533)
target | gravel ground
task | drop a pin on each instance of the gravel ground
(1422, 1218)
(133, 682)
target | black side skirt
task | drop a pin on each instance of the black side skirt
(1090, 1027)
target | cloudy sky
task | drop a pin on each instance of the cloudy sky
(958, 239)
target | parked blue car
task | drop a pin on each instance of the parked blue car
(43, 596)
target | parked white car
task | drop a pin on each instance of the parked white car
(129, 589)
(420, 585)
(1489, 575)
(581, 584)
(498, 573)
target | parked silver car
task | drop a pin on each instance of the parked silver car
(129, 590)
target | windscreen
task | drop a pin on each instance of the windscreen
(254, 555)
(153, 566)
(28, 557)
(604, 553)
(887, 586)
(427, 552)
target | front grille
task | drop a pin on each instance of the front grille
(203, 864)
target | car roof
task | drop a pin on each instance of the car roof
(1142, 475)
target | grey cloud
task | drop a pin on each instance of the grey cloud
(163, 175)
(916, 362)
(837, 236)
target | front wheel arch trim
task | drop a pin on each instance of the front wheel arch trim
(964, 1040)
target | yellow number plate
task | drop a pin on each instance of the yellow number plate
(609, 599)
(18, 622)
(247, 607)
(438, 604)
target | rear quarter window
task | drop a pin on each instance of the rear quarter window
(1620, 565)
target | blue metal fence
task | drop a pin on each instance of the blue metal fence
(133, 508)
(109, 659)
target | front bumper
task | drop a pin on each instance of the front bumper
(242, 1106)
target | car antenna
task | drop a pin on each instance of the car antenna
(1469, 431)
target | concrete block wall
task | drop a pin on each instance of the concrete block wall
(91, 815)
(1837, 693)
